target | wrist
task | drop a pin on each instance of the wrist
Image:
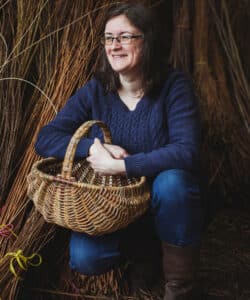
(119, 166)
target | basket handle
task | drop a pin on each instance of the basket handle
(82, 131)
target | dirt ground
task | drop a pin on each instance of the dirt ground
(225, 257)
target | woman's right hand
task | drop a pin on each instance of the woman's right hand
(103, 162)
(117, 152)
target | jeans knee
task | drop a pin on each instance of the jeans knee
(171, 185)
(91, 255)
(84, 262)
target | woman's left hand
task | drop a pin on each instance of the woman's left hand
(102, 161)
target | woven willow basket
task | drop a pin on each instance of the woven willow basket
(72, 195)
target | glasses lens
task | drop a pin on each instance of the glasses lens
(107, 40)
(125, 39)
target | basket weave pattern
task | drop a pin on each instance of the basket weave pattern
(72, 195)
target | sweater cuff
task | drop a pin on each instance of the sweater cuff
(82, 149)
(134, 166)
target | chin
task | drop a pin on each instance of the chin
(119, 70)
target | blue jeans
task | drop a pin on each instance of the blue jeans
(178, 215)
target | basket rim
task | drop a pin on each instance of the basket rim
(47, 176)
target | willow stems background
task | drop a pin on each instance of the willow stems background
(180, 56)
(224, 100)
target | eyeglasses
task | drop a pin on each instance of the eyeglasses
(123, 39)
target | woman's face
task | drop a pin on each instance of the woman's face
(123, 58)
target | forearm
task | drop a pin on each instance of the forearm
(54, 144)
(119, 166)
(169, 157)
(53, 139)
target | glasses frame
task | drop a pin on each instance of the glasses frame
(130, 37)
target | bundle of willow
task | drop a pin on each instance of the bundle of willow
(226, 142)
(237, 132)
(207, 88)
(110, 284)
(205, 83)
(224, 147)
(239, 15)
(16, 34)
(27, 127)
(34, 235)
(180, 55)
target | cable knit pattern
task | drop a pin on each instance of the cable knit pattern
(160, 133)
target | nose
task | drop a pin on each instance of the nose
(116, 43)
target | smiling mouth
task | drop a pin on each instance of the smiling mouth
(119, 56)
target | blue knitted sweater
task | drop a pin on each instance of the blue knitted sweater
(160, 133)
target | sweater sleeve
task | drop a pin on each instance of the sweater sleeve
(54, 138)
(183, 122)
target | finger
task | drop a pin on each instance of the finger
(99, 145)
(122, 155)
(125, 154)
(97, 141)
(89, 159)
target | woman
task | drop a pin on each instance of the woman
(153, 118)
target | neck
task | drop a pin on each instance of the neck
(132, 85)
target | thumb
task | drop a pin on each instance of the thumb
(97, 142)
(99, 147)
